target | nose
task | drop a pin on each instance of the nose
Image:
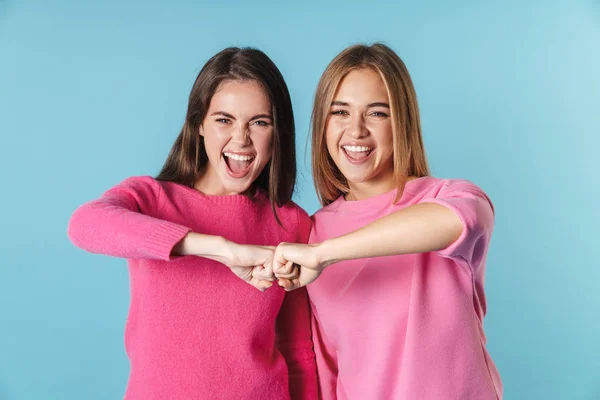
(241, 136)
(357, 128)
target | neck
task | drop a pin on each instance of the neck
(364, 190)
(210, 184)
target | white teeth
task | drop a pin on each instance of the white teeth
(238, 157)
(357, 149)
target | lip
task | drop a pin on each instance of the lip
(352, 160)
(243, 173)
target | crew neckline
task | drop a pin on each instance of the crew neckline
(259, 196)
(379, 202)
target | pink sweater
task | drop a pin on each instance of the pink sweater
(195, 330)
(406, 327)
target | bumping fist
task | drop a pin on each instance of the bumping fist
(296, 265)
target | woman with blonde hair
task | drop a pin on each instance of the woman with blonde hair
(399, 255)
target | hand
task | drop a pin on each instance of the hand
(252, 264)
(296, 265)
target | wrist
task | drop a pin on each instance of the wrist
(224, 249)
(325, 253)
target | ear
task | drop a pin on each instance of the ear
(201, 131)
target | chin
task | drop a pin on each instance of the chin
(357, 178)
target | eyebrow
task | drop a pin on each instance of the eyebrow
(267, 116)
(339, 103)
(376, 104)
(225, 114)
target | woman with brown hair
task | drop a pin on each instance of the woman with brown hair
(195, 330)
(399, 255)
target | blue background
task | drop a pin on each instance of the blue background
(92, 93)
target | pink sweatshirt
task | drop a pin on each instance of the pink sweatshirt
(406, 327)
(195, 330)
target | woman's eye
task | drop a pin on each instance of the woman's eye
(222, 120)
(261, 123)
(379, 114)
(339, 112)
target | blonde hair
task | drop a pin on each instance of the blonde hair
(409, 152)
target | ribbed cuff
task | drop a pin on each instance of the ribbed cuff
(161, 242)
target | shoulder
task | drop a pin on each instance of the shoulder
(438, 188)
(137, 192)
(327, 209)
(144, 186)
(144, 182)
(463, 185)
(434, 187)
(168, 191)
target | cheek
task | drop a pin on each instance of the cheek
(331, 147)
(208, 133)
(385, 138)
(217, 137)
(335, 125)
(213, 146)
(331, 138)
(264, 144)
(209, 141)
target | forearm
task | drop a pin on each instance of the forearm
(415, 229)
(209, 246)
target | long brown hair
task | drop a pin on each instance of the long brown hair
(409, 152)
(188, 157)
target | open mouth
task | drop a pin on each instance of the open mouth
(357, 154)
(238, 164)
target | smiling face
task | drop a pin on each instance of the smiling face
(238, 137)
(359, 133)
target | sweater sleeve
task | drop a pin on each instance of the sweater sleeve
(122, 223)
(476, 212)
(294, 334)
